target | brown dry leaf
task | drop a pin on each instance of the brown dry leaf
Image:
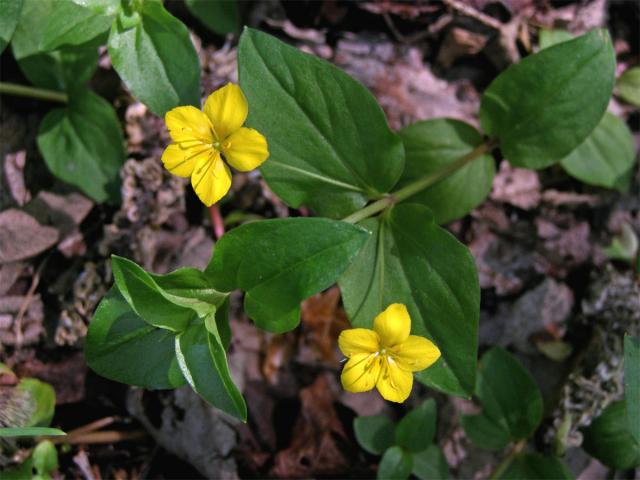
(516, 186)
(565, 245)
(31, 327)
(9, 273)
(317, 446)
(279, 352)
(21, 236)
(14, 164)
(459, 43)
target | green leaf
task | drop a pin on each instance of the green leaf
(103, 7)
(430, 464)
(279, 263)
(123, 347)
(511, 401)
(220, 16)
(31, 432)
(409, 259)
(73, 24)
(632, 383)
(42, 401)
(330, 145)
(9, 20)
(606, 157)
(432, 145)
(545, 106)
(551, 37)
(623, 246)
(82, 144)
(60, 70)
(533, 466)
(166, 301)
(374, 433)
(396, 464)
(204, 364)
(609, 438)
(417, 428)
(45, 458)
(152, 52)
(628, 86)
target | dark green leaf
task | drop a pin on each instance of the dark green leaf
(153, 54)
(430, 464)
(82, 144)
(632, 383)
(606, 157)
(628, 86)
(30, 432)
(374, 433)
(549, 38)
(9, 20)
(396, 464)
(331, 147)
(279, 263)
(41, 402)
(45, 458)
(545, 106)
(511, 400)
(411, 260)
(123, 347)
(204, 364)
(417, 428)
(73, 24)
(59, 70)
(485, 432)
(533, 466)
(609, 438)
(221, 16)
(432, 145)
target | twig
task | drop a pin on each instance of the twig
(108, 436)
(469, 11)
(17, 327)
(506, 461)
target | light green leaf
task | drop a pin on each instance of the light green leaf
(73, 24)
(330, 145)
(279, 263)
(82, 144)
(221, 16)
(632, 384)
(45, 458)
(409, 259)
(606, 157)
(430, 464)
(533, 466)
(628, 86)
(511, 401)
(374, 433)
(396, 464)
(41, 401)
(545, 106)
(203, 362)
(432, 145)
(103, 7)
(416, 430)
(31, 432)
(551, 37)
(9, 20)
(123, 347)
(152, 52)
(623, 246)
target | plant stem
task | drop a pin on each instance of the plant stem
(506, 461)
(419, 185)
(33, 92)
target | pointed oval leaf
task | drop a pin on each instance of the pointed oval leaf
(220, 16)
(628, 86)
(430, 464)
(543, 107)
(330, 145)
(122, 347)
(409, 259)
(9, 20)
(279, 263)
(432, 145)
(533, 466)
(152, 52)
(396, 464)
(374, 433)
(73, 24)
(417, 428)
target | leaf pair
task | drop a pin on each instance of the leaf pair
(406, 447)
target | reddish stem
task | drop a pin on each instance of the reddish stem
(216, 220)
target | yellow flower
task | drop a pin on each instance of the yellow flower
(386, 356)
(202, 139)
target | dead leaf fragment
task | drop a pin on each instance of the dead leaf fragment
(21, 236)
(516, 186)
(14, 164)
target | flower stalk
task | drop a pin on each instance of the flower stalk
(7, 88)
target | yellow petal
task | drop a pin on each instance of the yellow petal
(394, 384)
(211, 179)
(393, 325)
(245, 149)
(181, 161)
(227, 109)
(188, 125)
(358, 340)
(415, 353)
(360, 372)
